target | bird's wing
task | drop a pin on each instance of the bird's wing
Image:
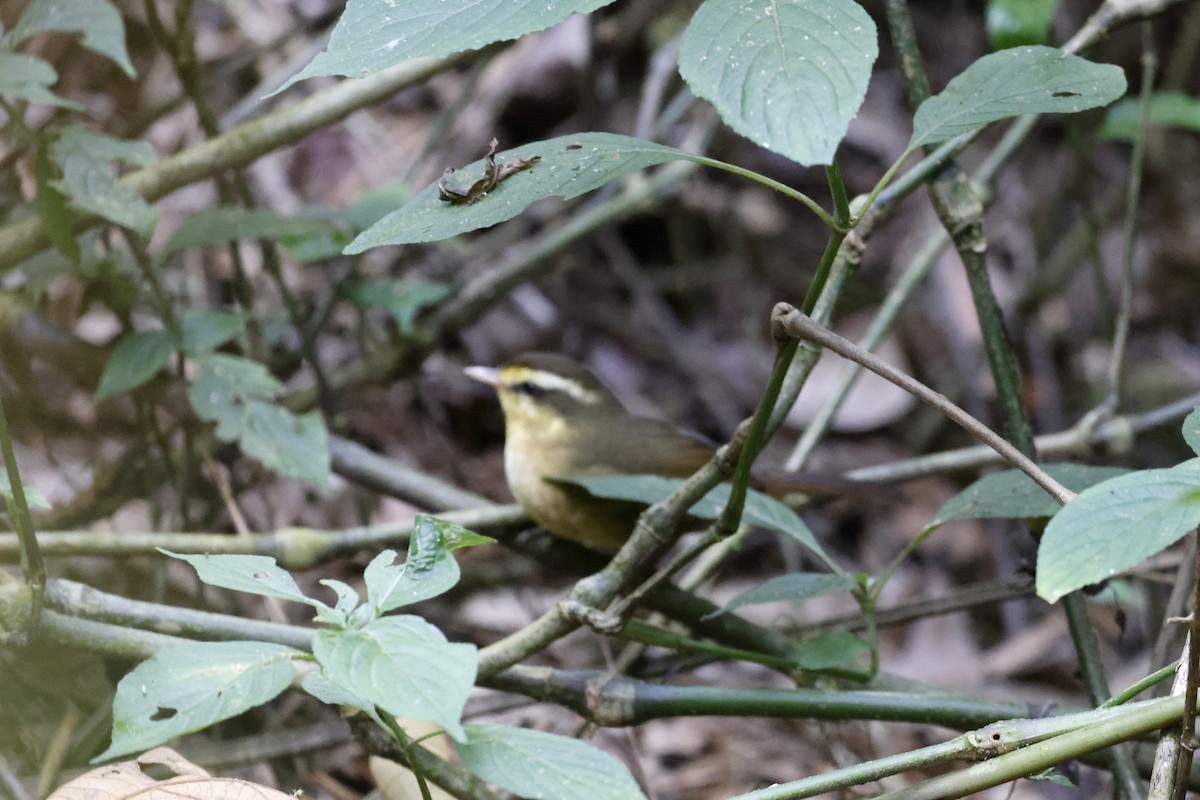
(674, 453)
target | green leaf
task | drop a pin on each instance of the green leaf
(1012, 23)
(428, 571)
(403, 299)
(202, 331)
(1191, 430)
(292, 445)
(223, 385)
(454, 535)
(347, 596)
(568, 167)
(787, 74)
(761, 510)
(840, 652)
(229, 223)
(1051, 776)
(796, 586)
(136, 359)
(84, 157)
(542, 765)
(235, 393)
(24, 77)
(319, 686)
(191, 686)
(252, 574)
(1115, 525)
(56, 216)
(375, 203)
(1023, 80)
(34, 498)
(404, 665)
(1012, 494)
(375, 34)
(98, 20)
(1167, 110)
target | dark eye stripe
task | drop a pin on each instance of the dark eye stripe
(530, 388)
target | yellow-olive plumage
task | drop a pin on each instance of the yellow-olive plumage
(561, 422)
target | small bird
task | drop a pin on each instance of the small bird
(560, 421)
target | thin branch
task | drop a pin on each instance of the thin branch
(793, 323)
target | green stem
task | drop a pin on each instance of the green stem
(32, 566)
(783, 188)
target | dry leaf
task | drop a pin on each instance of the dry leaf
(125, 780)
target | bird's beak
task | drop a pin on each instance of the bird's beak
(488, 375)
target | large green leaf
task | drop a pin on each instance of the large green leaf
(404, 665)
(242, 573)
(542, 765)
(1114, 525)
(192, 686)
(793, 587)
(230, 223)
(136, 359)
(375, 34)
(98, 20)
(84, 157)
(1023, 80)
(1012, 494)
(759, 509)
(787, 74)
(24, 77)
(568, 167)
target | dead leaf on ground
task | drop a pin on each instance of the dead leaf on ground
(129, 779)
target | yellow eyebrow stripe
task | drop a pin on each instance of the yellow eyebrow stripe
(511, 376)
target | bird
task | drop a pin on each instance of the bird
(562, 422)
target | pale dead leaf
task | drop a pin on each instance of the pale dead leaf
(128, 779)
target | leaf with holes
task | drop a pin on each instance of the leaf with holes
(192, 686)
(1023, 80)
(88, 178)
(252, 574)
(99, 22)
(567, 167)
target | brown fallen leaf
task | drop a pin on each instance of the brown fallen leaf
(126, 780)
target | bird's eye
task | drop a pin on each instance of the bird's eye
(529, 388)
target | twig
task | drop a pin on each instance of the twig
(1132, 197)
(791, 322)
(1191, 656)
